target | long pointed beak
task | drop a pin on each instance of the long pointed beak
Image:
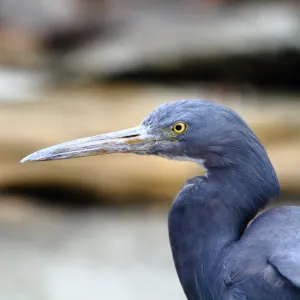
(133, 140)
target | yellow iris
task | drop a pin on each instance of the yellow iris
(179, 127)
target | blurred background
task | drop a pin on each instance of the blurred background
(96, 228)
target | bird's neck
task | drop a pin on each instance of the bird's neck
(244, 190)
(206, 220)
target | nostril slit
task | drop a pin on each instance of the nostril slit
(130, 136)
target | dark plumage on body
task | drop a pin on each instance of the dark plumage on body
(217, 254)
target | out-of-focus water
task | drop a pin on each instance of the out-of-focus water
(50, 255)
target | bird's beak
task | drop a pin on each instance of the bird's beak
(133, 140)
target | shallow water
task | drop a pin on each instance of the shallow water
(107, 254)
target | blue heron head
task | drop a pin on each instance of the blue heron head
(201, 131)
(195, 130)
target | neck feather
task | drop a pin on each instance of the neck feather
(211, 214)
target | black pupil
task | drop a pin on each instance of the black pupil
(178, 127)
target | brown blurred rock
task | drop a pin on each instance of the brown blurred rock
(19, 47)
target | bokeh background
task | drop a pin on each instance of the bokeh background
(96, 228)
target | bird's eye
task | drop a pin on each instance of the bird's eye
(179, 127)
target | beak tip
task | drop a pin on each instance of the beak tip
(23, 160)
(31, 157)
(26, 159)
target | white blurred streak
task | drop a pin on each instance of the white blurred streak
(172, 36)
(38, 15)
(18, 84)
(41, 17)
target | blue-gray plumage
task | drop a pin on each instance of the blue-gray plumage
(217, 254)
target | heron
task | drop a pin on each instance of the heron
(224, 244)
